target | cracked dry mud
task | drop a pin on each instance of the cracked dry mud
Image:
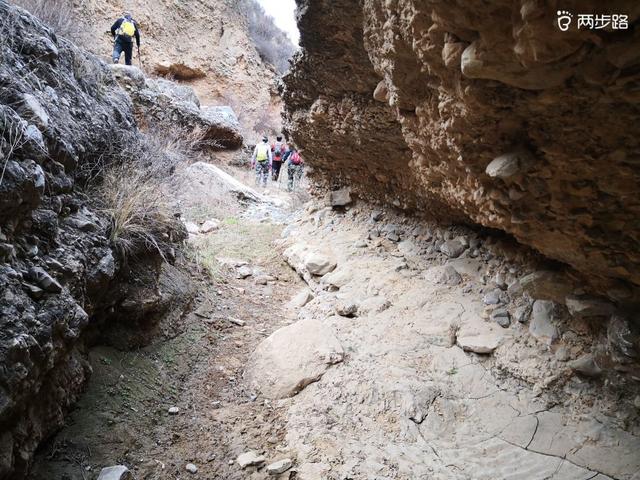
(405, 401)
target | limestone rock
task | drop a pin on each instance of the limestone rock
(510, 164)
(192, 228)
(522, 313)
(209, 226)
(250, 459)
(244, 272)
(191, 468)
(293, 357)
(281, 466)
(346, 308)
(483, 344)
(381, 93)
(299, 300)
(119, 472)
(318, 264)
(542, 324)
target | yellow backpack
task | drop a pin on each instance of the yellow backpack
(127, 28)
(262, 153)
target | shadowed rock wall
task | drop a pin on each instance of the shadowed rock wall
(481, 112)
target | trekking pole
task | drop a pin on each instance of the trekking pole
(140, 58)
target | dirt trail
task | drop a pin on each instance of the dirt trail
(196, 365)
(406, 401)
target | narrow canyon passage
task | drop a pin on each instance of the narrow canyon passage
(305, 240)
(396, 365)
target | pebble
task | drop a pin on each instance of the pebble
(173, 410)
(191, 468)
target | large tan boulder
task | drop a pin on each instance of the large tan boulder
(293, 357)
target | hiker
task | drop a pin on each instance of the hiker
(261, 161)
(278, 148)
(123, 31)
(295, 168)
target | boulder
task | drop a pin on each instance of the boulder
(174, 90)
(542, 324)
(293, 357)
(483, 344)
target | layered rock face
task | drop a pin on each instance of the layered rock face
(61, 113)
(165, 102)
(205, 44)
(483, 113)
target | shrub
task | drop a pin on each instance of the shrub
(273, 45)
(58, 15)
(132, 189)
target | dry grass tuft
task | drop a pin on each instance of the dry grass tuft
(133, 190)
(58, 15)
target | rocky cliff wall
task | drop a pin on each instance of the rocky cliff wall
(62, 119)
(205, 44)
(481, 112)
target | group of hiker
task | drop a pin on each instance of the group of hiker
(266, 157)
(270, 157)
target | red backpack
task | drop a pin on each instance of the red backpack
(295, 158)
(278, 150)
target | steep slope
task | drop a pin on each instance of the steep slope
(484, 113)
(205, 43)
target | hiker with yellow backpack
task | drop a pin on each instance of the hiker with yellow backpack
(261, 161)
(124, 30)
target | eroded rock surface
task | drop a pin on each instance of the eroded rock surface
(165, 102)
(61, 113)
(481, 112)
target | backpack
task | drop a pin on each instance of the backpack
(262, 152)
(295, 158)
(127, 28)
(278, 150)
